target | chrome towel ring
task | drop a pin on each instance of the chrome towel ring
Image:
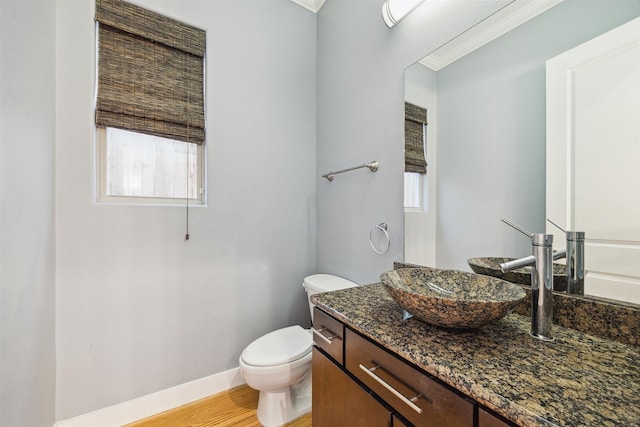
(382, 227)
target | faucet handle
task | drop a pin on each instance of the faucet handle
(571, 235)
(522, 230)
(557, 226)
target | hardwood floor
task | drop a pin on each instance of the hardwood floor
(235, 407)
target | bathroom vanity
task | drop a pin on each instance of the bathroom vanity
(371, 367)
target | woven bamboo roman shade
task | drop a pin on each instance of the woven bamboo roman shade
(150, 73)
(415, 118)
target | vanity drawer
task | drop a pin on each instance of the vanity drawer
(328, 334)
(419, 398)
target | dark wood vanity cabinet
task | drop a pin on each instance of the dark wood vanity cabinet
(340, 400)
(337, 400)
(485, 419)
(358, 383)
(397, 422)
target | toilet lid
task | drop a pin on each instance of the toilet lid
(278, 347)
(326, 283)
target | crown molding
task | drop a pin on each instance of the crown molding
(312, 5)
(489, 29)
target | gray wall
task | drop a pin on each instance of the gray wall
(27, 261)
(491, 131)
(139, 309)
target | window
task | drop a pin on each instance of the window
(149, 106)
(414, 191)
(139, 168)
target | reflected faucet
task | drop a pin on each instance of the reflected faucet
(575, 260)
(541, 263)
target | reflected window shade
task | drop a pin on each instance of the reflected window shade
(150, 73)
(415, 118)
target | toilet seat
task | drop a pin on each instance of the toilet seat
(278, 347)
(278, 364)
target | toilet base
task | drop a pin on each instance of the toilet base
(278, 407)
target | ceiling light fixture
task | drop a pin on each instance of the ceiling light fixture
(394, 10)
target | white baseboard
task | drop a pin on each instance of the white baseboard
(154, 403)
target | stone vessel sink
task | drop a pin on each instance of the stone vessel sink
(450, 298)
(490, 266)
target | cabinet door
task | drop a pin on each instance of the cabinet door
(485, 419)
(397, 422)
(337, 400)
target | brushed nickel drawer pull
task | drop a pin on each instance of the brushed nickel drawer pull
(317, 332)
(407, 401)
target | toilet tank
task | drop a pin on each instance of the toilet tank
(324, 283)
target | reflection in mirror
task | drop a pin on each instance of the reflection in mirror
(487, 134)
(420, 189)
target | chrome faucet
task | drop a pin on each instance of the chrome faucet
(575, 260)
(541, 263)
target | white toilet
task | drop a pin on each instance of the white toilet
(278, 364)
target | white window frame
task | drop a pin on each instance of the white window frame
(101, 179)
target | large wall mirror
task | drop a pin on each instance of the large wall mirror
(486, 139)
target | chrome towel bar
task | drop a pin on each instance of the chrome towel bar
(373, 166)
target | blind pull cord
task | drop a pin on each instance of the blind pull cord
(186, 236)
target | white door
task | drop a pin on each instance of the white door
(593, 157)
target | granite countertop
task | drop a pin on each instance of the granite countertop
(576, 380)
